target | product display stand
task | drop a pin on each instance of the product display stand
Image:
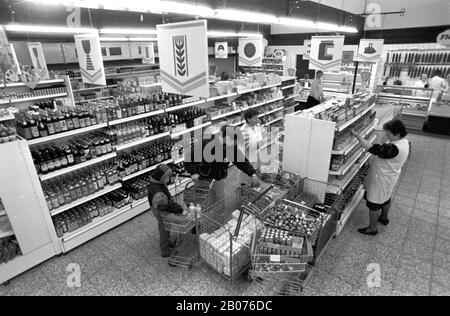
(26, 209)
(308, 152)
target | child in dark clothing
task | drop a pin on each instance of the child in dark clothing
(161, 202)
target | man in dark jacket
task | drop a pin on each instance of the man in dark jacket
(161, 202)
(211, 159)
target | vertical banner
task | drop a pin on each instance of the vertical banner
(183, 58)
(38, 59)
(9, 64)
(221, 50)
(307, 49)
(326, 53)
(148, 53)
(90, 59)
(370, 50)
(250, 52)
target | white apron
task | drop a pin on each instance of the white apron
(384, 174)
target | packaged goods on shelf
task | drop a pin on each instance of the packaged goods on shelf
(7, 134)
(38, 92)
(363, 126)
(9, 249)
(83, 184)
(76, 218)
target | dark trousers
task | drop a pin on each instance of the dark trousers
(164, 234)
(311, 102)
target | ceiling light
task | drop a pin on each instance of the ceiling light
(47, 29)
(138, 39)
(318, 26)
(125, 31)
(244, 16)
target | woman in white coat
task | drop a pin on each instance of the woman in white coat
(252, 135)
(384, 172)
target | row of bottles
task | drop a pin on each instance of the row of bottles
(68, 189)
(80, 216)
(144, 157)
(79, 150)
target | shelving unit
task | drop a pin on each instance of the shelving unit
(96, 99)
(273, 121)
(43, 140)
(177, 134)
(308, 149)
(40, 83)
(270, 112)
(141, 141)
(95, 88)
(32, 99)
(144, 171)
(136, 117)
(77, 167)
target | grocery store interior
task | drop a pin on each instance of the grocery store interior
(341, 110)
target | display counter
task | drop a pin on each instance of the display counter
(439, 117)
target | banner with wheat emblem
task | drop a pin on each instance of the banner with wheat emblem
(370, 50)
(148, 54)
(38, 60)
(326, 53)
(90, 59)
(183, 58)
(250, 52)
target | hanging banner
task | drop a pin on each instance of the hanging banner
(9, 64)
(326, 53)
(90, 59)
(370, 50)
(148, 54)
(307, 49)
(250, 52)
(221, 50)
(38, 59)
(183, 58)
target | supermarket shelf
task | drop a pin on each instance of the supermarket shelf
(77, 167)
(78, 131)
(95, 88)
(250, 90)
(31, 99)
(7, 117)
(437, 114)
(101, 225)
(222, 97)
(346, 167)
(274, 121)
(288, 87)
(177, 134)
(183, 106)
(402, 97)
(270, 112)
(96, 99)
(257, 105)
(292, 97)
(136, 117)
(226, 114)
(275, 100)
(349, 211)
(336, 185)
(271, 86)
(416, 113)
(150, 85)
(237, 124)
(178, 161)
(144, 171)
(355, 119)
(86, 199)
(350, 147)
(21, 84)
(142, 141)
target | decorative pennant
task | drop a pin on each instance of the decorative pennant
(183, 58)
(148, 54)
(221, 50)
(9, 64)
(326, 53)
(307, 48)
(370, 50)
(250, 52)
(90, 59)
(38, 59)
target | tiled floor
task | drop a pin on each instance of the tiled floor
(413, 253)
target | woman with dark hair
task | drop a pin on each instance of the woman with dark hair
(316, 95)
(384, 172)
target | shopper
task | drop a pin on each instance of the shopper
(437, 83)
(384, 172)
(225, 76)
(252, 135)
(316, 95)
(422, 84)
(161, 203)
(211, 165)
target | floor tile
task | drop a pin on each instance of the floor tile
(413, 282)
(444, 222)
(419, 250)
(202, 285)
(442, 277)
(352, 267)
(415, 265)
(110, 281)
(443, 245)
(443, 232)
(150, 283)
(385, 289)
(90, 261)
(424, 216)
(442, 260)
(444, 211)
(423, 227)
(394, 236)
(427, 202)
(404, 201)
(423, 238)
(410, 194)
(438, 290)
(29, 283)
(427, 207)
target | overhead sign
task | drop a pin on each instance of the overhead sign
(250, 52)
(221, 50)
(183, 58)
(148, 53)
(307, 49)
(444, 38)
(38, 60)
(9, 64)
(326, 52)
(90, 59)
(370, 50)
